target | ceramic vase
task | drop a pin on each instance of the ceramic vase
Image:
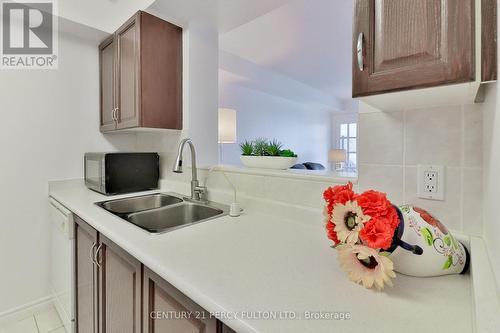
(422, 246)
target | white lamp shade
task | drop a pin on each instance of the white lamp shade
(337, 155)
(227, 125)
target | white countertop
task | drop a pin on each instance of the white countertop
(259, 262)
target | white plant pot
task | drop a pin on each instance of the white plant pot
(268, 162)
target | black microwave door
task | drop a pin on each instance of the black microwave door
(131, 172)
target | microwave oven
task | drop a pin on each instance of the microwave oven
(119, 173)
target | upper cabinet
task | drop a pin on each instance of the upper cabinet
(489, 40)
(141, 75)
(403, 45)
(107, 84)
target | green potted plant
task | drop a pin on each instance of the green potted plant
(266, 154)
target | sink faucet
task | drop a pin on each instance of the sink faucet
(198, 193)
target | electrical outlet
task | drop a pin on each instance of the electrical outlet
(431, 182)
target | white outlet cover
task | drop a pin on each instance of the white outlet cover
(431, 189)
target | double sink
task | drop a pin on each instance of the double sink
(162, 212)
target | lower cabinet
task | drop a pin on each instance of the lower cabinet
(108, 283)
(120, 284)
(117, 294)
(85, 276)
(225, 329)
(167, 310)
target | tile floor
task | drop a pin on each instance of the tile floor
(47, 321)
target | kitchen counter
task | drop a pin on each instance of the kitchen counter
(257, 266)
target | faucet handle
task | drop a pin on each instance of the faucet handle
(201, 193)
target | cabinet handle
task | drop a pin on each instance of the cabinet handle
(359, 51)
(92, 253)
(113, 114)
(117, 113)
(96, 256)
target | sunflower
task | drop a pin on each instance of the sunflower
(348, 219)
(366, 266)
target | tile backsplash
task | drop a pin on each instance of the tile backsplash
(392, 144)
(290, 190)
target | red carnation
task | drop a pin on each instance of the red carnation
(377, 233)
(339, 194)
(330, 230)
(393, 217)
(374, 203)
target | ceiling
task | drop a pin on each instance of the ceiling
(222, 15)
(233, 13)
(306, 40)
(105, 15)
(304, 45)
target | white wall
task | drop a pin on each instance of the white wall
(491, 179)
(304, 130)
(491, 176)
(200, 102)
(392, 144)
(234, 69)
(49, 119)
(202, 110)
(309, 41)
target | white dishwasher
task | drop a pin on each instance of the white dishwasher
(62, 262)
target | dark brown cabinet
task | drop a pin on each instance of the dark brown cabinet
(141, 75)
(161, 298)
(116, 293)
(108, 284)
(406, 44)
(489, 40)
(86, 239)
(120, 289)
(107, 78)
(226, 329)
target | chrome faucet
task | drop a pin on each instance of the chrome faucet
(198, 193)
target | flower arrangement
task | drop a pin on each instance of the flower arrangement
(362, 228)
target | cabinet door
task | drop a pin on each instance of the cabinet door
(107, 56)
(489, 40)
(226, 329)
(168, 310)
(120, 289)
(85, 274)
(407, 44)
(128, 73)
(161, 73)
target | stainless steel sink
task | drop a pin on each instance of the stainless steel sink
(158, 220)
(157, 213)
(136, 204)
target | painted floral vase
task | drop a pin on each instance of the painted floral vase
(422, 246)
